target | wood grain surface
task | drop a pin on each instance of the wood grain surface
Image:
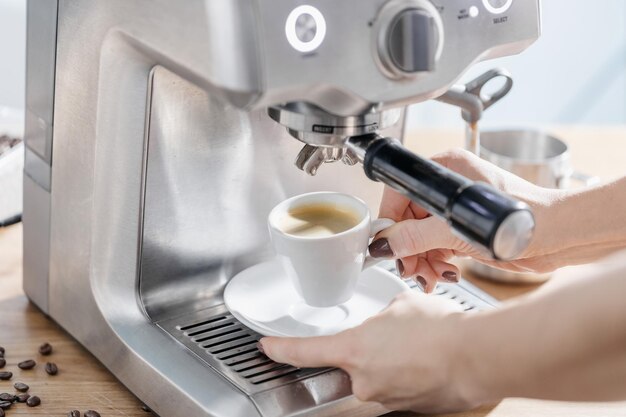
(83, 383)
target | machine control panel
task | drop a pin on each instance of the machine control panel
(347, 57)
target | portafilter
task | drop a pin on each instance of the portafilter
(479, 214)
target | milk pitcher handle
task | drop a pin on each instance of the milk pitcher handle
(586, 179)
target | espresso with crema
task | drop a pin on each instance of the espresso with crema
(318, 220)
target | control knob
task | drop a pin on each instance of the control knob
(409, 38)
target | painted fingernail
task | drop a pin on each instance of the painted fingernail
(450, 276)
(380, 249)
(400, 267)
(422, 281)
(260, 347)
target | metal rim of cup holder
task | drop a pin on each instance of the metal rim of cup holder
(314, 126)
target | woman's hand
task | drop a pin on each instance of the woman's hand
(403, 358)
(424, 244)
(572, 227)
(565, 341)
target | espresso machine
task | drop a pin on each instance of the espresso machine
(159, 134)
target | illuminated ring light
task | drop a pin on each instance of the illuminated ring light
(497, 10)
(290, 28)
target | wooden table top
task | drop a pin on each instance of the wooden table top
(83, 383)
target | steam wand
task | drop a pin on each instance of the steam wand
(472, 101)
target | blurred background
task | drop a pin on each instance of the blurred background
(574, 74)
(12, 65)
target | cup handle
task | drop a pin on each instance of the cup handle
(376, 226)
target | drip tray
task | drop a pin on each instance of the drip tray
(227, 346)
(230, 348)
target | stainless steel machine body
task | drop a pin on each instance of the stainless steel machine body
(151, 164)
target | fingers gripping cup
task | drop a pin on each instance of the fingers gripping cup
(321, 240)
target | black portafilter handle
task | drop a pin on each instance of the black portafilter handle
(477, 212)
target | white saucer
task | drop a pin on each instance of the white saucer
(263, 298)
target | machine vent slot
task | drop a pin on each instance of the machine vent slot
(273, 377)
(202, 323)
(212, 329)
(218, 333)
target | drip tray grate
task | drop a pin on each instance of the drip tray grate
(229, 347)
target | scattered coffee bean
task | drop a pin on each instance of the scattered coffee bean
(51, 368)
(91, 413)
(28, 364)
(5, 396)
(33, 401)
(21, 398)
(2, 362)
(1, 352)
(5, 376)
(146, 408)
(45, 349)
(21, 387)
(73, 413)
(5, 405)
(2, 412)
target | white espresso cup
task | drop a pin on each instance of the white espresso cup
(325, 270)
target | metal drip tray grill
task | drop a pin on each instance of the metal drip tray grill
(229, 347)
(466, 294)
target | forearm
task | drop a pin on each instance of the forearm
(565, 343)
(593, 218)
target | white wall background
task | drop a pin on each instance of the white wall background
(575, 74)
(12, 52)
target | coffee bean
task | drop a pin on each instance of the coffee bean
(28, 364)
(5, 405)
(2, 412)
(45, 349)
(21, 398)
(5, 376)
(1, 352)
(2, 362)
(73, 413)
(51, 368)
(146, 408)
(21, 387)
(33, 401)
(91, 413)
(5, 396)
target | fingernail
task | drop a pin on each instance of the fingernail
(400, 267)
(380, 249)
(450, 276)
(422, 281)
(260, 347)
